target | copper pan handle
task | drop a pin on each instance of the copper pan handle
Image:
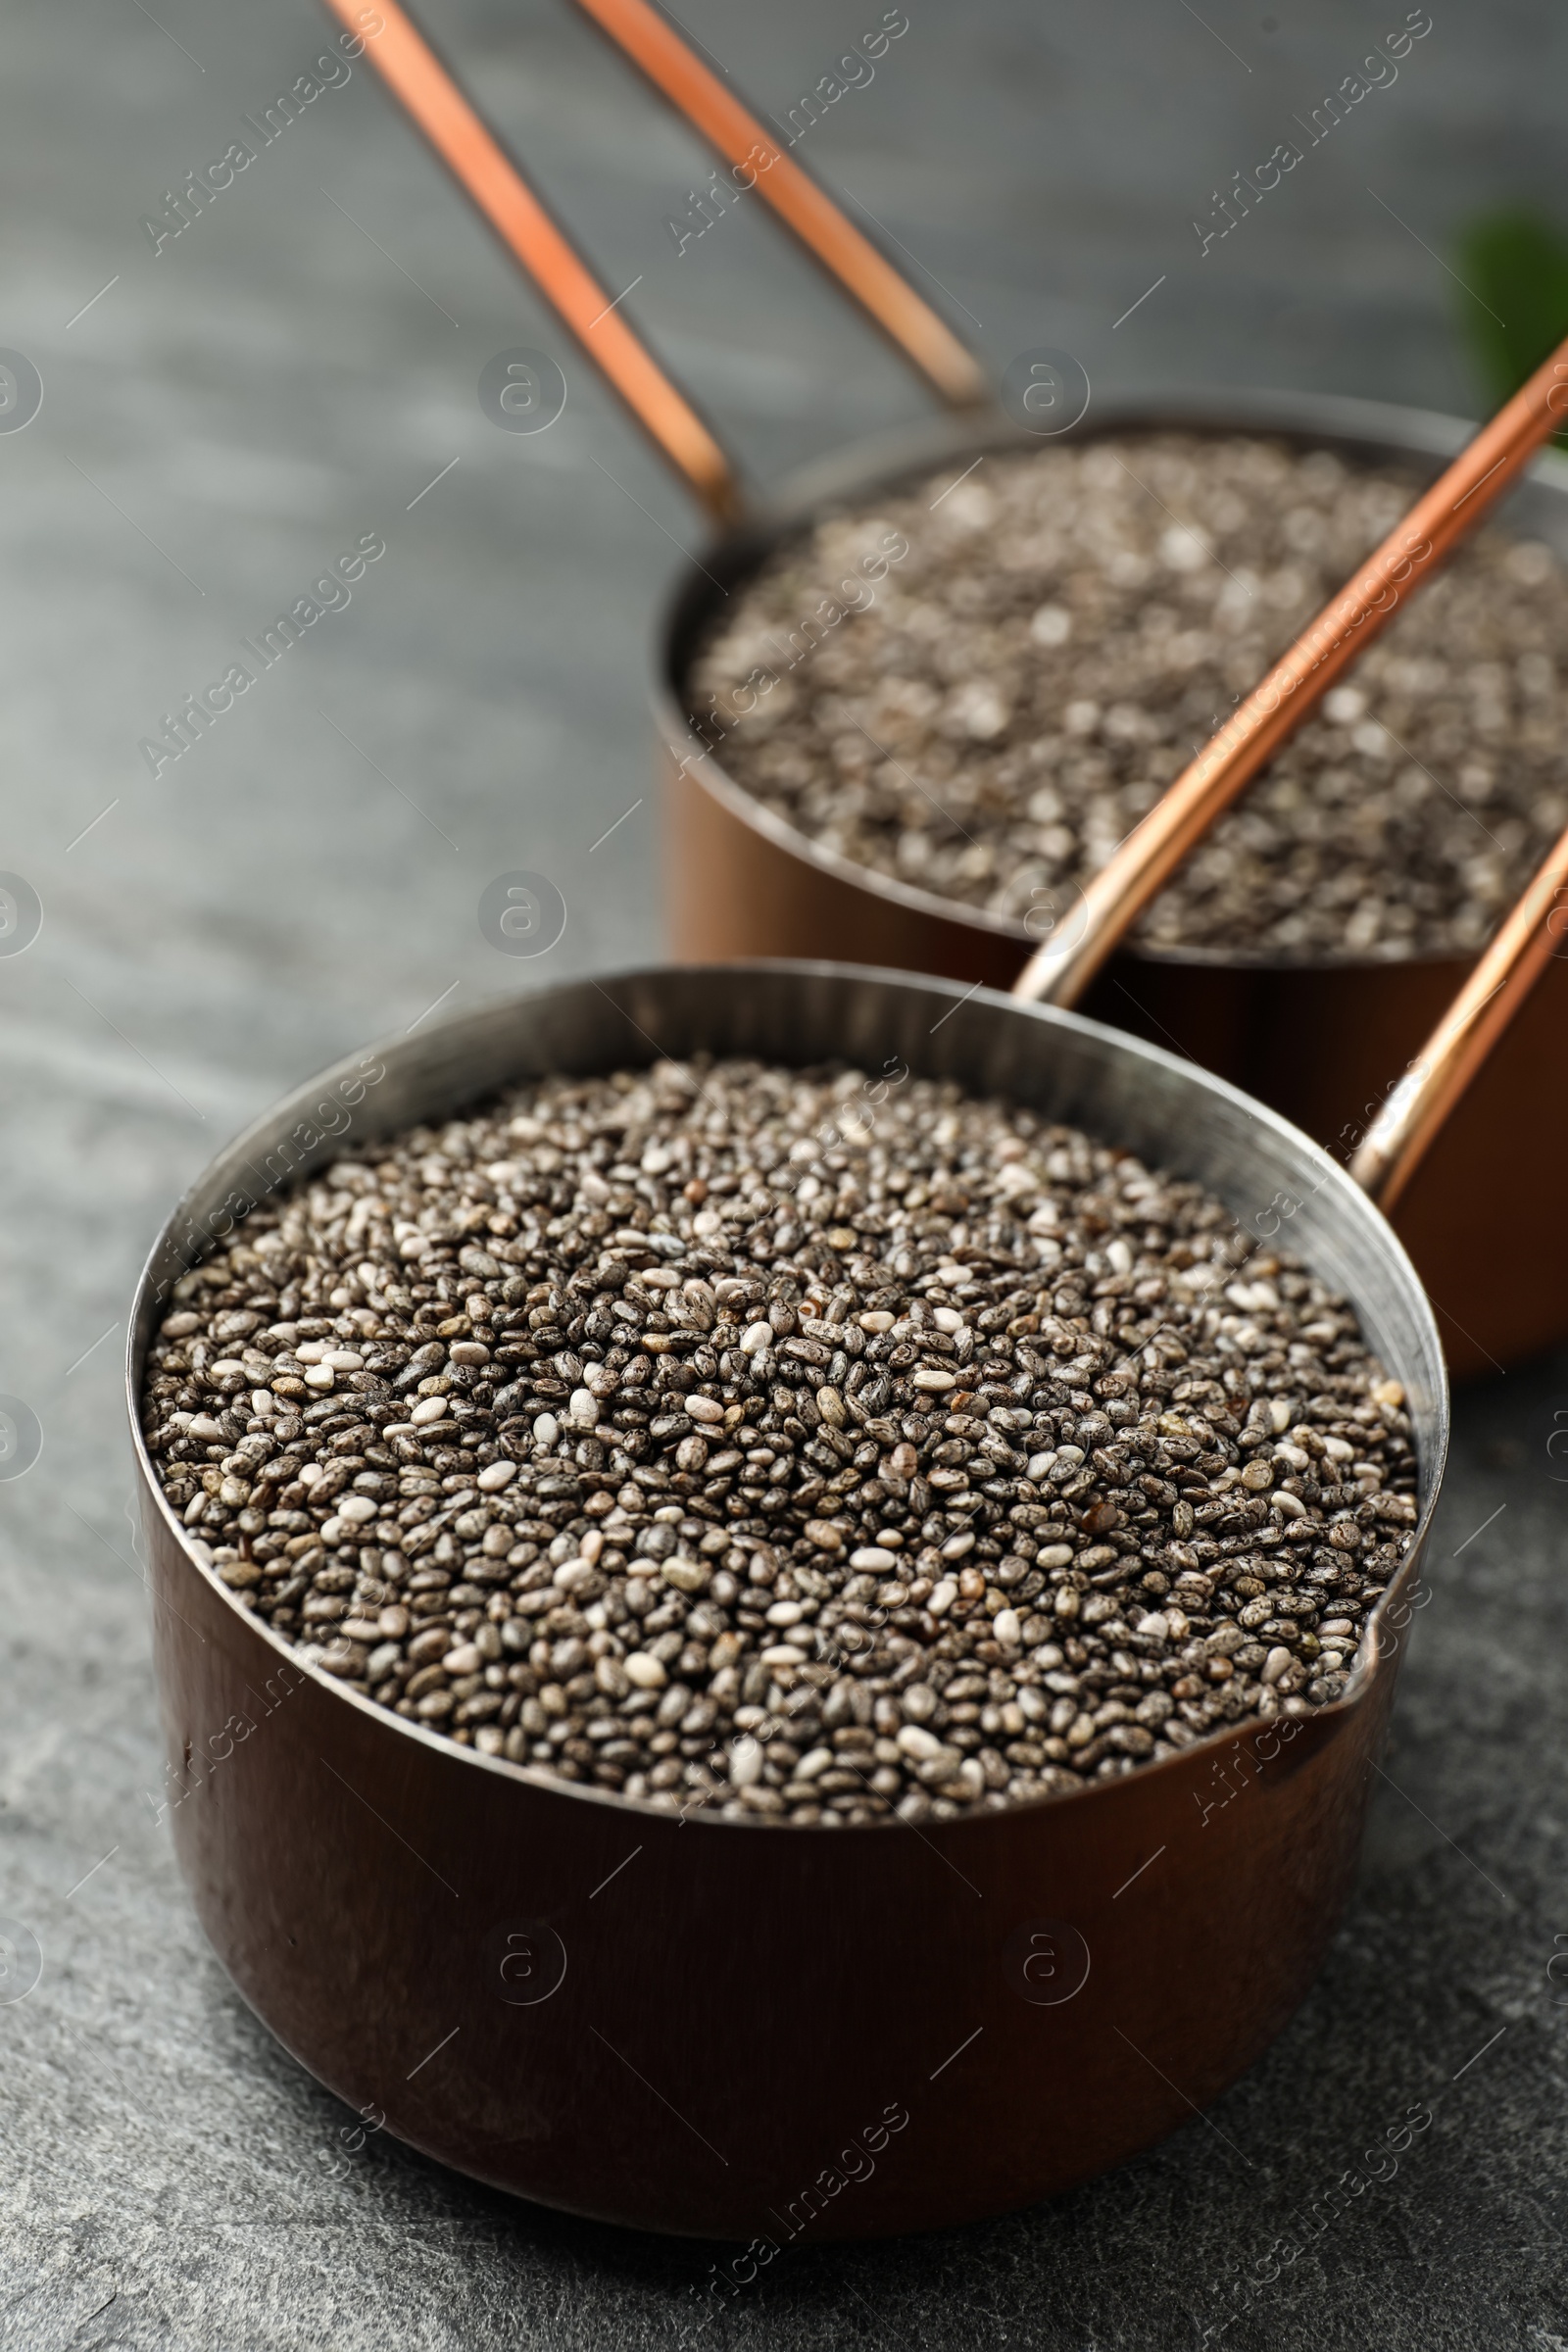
(1113, 899)
(849, 258)
(1398, 1138)
(499, 191)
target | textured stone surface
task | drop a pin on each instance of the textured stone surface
(253, 399)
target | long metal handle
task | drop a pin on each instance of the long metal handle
(1398, 1138)
(736, 134)
(497, 189)
(1115, 896)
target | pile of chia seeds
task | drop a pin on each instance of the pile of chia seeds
(809, 1444)
(989, 714)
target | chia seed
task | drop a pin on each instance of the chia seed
(1068, 627)
(810, 1447)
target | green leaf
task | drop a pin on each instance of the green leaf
(1514, 266)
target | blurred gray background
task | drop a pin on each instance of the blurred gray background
(221, 419)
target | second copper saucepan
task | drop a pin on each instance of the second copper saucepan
(1321, 1040)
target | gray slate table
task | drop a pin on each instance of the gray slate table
(220, 417)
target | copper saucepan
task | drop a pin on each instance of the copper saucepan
(1316, 1039)
(1321, 1042)
(765, 2033)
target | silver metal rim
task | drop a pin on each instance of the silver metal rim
(1375, 431)
(438, 1048)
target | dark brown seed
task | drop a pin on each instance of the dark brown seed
(815, 1448)
(993, 711)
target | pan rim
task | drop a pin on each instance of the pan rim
(1375, 1657)
(890, 460)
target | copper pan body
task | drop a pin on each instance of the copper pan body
(1320, 1042)
(769, 2032)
